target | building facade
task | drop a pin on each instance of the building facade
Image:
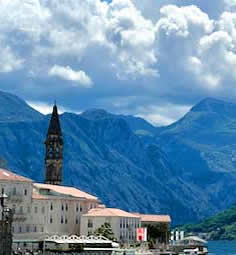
(123, 224)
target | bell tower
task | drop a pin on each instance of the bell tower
(54, 150)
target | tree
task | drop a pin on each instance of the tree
(160, 232)
(106, 231)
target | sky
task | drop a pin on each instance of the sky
(150, 58)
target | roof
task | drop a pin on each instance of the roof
(38, 196)
(193, 239)
(154, 218)
(6, 175)
(54, 126)
(70, 191)
(109, 212)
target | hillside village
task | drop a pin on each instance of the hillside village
(46, 209)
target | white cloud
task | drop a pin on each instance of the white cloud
(164, 114)
(8, 61)
(179, 53)
(79, 77)
(46, 108)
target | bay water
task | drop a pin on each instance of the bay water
(222, 247)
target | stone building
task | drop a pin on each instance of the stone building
(123, 224)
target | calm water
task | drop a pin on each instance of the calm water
(222, 247)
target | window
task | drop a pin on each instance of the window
(35, 209)
(2, 190)
(51, 207)
(13, 208)
(35, 228)
(90, 223)
(25, 192)
(21, 210)
(20, 229)
(42, 229)
(14, 191)
(62, 207)
(28, 209)
(81, 208)
(43, 210)
(121, 223)
(27, 228)
(66, 207)
(51, 220)
(76, 220)
(66, 220)
(77, 208)
(62, 220)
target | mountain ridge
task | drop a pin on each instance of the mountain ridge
(165, 170)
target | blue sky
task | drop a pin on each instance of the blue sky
(149, 58)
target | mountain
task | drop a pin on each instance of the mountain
(14, 109)
(138, 125)
(183, 169)
(219, 227)
(203, 142)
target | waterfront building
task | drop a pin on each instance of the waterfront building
(123, 223)
(44, 209)
(157, 222)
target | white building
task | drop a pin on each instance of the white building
(44, 209)
(123, 224)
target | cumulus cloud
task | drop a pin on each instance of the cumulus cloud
(8, 61)
(167, 50)
(79, 77)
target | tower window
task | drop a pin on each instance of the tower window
(25, 192)
(51, 207)
(62, 207)
(51, 220)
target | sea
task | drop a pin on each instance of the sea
(222, 247)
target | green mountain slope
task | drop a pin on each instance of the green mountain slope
(219, 227)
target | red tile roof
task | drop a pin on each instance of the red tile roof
(66, 190)
(6, 175)
(154, 218)
(109, 212)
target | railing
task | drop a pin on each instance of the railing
(15, 198)
(18, 216)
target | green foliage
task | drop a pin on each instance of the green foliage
(219, 227)
(159, 232)
(106, 231)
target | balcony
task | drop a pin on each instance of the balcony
(15, 198)
(17, 216)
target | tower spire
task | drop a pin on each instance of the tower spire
(54, 150)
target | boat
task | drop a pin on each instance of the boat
(191, 245)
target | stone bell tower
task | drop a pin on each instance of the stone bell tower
(54, 150)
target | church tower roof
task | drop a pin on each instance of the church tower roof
(54, 126)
